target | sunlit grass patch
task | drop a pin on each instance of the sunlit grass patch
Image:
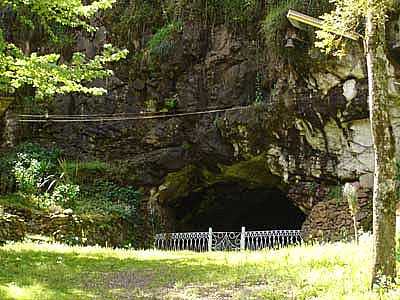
(54, 271)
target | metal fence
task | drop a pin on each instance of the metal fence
(244, 240)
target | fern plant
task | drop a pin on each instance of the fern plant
(163, 42)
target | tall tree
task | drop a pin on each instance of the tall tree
(384, 197)
(31, 34)
(348, 16)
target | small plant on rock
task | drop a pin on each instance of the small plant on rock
(170, 103)
(162, 43)
(350, 194)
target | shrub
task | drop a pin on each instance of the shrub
(28, 162)
(233, 13)
(27, 172)
(32, 167)
(163, 41)
(80, 171)
(110, 198)
(39, 152)
(64, 194)
(37, 177)
(131, 22)
(107, 198)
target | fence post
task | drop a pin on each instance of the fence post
(242, 239)
(210, 239)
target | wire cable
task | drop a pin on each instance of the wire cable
(111, 118)
(141, 113)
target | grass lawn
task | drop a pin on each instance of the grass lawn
(53, 271)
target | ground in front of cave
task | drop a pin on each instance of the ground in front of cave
(53, 271)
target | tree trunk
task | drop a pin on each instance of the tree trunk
(384, 195)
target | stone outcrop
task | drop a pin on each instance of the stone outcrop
(64, 226)
(12, 227)
(331, 220)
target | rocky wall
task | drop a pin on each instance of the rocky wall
(12, 227)
(330, 220)
(65, 227)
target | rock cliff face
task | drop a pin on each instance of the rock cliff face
(298, 124)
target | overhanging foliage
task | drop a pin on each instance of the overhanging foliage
(54, 22)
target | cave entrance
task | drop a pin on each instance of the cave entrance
(228, 206)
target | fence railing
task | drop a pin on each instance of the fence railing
(243, 240)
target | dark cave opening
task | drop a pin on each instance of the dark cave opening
(229, 206)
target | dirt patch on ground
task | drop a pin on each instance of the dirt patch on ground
(121, 280)
(211, 292)
(138, 285)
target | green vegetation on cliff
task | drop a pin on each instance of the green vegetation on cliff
(266, 21)
(162, 43)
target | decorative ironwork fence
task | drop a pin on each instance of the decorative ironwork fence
(195, 241)
(244, 240)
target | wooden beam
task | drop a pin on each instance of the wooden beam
(298, 20)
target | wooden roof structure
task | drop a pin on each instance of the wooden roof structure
(298, 20)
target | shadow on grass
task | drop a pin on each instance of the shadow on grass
(31, 274)
(45, 272)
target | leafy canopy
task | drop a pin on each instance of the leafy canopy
(348, 16)
(54, 20)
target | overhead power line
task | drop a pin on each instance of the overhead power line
(117, 117)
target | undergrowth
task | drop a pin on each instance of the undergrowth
(42, 179)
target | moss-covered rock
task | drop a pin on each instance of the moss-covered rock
(254, 172)
(65, 227)
(251, 173)
(84, 229)
(180, 184)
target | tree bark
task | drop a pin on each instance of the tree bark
(384, 194)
